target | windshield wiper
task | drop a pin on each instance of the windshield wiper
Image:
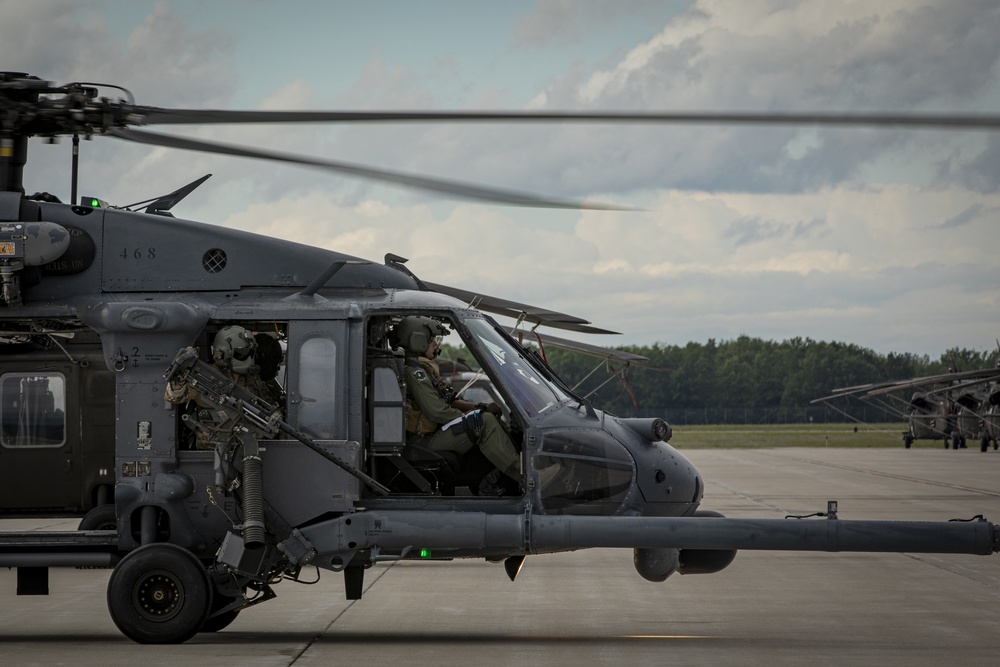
(549, 373)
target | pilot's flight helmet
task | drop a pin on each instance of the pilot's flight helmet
(234, 348)
(414, 333)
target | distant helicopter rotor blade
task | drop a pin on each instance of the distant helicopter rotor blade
(453, 188)
(156, 115)
(983, 374)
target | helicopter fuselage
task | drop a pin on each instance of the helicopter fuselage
(150, 285)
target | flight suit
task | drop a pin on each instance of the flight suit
(429, 406)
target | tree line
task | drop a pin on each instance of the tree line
(746, 373)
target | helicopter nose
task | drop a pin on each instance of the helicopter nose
(669, 483)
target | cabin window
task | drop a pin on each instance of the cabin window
(317, 370)
(32, 410)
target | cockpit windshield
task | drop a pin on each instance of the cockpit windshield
(531, 390)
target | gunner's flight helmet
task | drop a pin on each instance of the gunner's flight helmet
(234, 348)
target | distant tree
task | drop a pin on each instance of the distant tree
(748, 373)
(964, 359)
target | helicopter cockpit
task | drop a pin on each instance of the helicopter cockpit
(574, 459)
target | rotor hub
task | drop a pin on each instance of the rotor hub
(30, 106)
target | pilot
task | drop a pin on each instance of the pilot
(454, 425)
(233, 353)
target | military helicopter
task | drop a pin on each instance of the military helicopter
(991, 419)
(308, 480)
(951, 407)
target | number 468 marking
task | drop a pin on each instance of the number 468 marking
(138, 253)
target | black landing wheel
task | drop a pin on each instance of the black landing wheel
(159, 594)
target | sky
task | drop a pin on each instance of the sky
(885, 238)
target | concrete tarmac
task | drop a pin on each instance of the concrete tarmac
(591, 608)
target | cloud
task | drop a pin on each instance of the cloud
(161, 59)
(965, 217)
(854, 56)
(763, 55)
(980, 172)
(754, 230)
(893, 55)
(571, 21)
(897, 53)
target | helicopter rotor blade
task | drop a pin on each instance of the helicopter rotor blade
(157, 115)
(983, 374)
(515, 310)
(605, 353)
(453, 188)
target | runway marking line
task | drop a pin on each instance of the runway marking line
(609, 637)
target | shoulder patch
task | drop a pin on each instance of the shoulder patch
(419, 374)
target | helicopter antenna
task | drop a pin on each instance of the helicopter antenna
(75, 171)
(161, 205)
(322, 279)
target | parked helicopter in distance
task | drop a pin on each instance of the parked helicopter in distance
(952, 407)
(318, 475)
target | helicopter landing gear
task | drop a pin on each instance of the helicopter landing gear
(159, 594)
(101, 517)
(984, 443)
(908, 440)
(229, 598)
(219, 621)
